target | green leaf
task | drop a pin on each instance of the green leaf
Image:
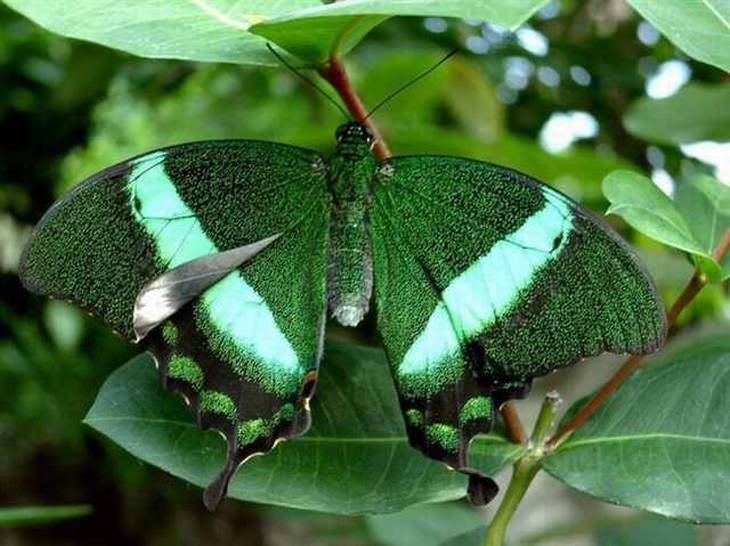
(315, 32)
(661, 443)
(196, 30)
(700, 28)
(646, 208)
(474, 537)
(648, 531)
(237, 32)
(697, 112)
(695, 222)
(508, 13)
(425, 524)
(315, 39)
(35, 515)
(705, 204)
(355, 459)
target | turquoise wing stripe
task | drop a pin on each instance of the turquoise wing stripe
(485, 291)
(157, 206)
(238, 313)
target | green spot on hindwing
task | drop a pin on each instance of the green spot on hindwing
(185, 369)
(252, 430)
(444, 435)
(217, 402)
(414, 418)
(170, 333)
(285, 413)
(479, 407)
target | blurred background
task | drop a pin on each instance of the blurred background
(547, 99)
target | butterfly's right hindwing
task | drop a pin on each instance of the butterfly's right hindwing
(245, 351)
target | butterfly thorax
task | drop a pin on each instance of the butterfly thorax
(349, 267)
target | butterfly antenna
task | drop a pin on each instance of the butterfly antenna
(411, 82)
(301, 76)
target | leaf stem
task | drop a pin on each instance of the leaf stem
(695, 284)
(524, 471)
(334, 72)
(546, 418)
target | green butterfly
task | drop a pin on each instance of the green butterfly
(222, 258)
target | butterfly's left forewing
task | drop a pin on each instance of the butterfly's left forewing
(244, 351)
(484, 279)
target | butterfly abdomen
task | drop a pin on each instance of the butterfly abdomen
(349, 261)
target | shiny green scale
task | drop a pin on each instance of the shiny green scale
(217, 402)
(414, 417)
(483, 278)
(250, 431)
(186, 369)
(479, 407)
(445, 436)
(169, 333)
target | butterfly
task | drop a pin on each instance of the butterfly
(224, 258)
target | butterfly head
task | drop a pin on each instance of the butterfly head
(355, 136)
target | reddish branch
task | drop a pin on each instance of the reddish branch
(334, 73)
(695, 284)
(512, 423)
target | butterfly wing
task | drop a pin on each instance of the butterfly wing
(486, 278)
(244, 352)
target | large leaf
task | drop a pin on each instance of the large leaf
(355, 459)
(196, 30)
(648, 530)
(696, 112)
(695, 222)
(236, 32)
(701, 28)
(474, 537)
(661, 443)
(425, 524)
(318, 36)
(314, 33)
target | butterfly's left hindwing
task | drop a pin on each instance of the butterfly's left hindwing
(484, 279)
(245, 351)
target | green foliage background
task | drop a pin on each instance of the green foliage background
(69, 108)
